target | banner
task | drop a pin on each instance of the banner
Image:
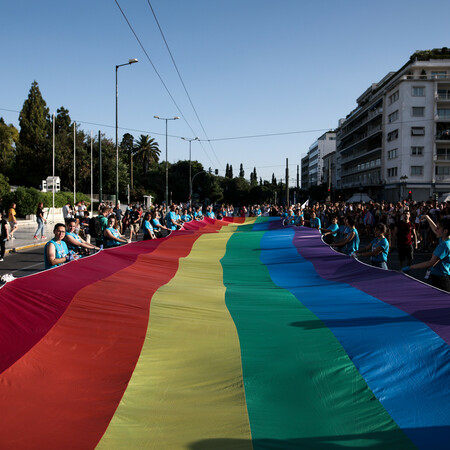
(227, 334)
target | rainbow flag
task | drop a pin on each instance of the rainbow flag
(233, 334)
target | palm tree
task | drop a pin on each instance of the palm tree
(147, 151)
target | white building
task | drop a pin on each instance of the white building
(398, 138)
(312, 163)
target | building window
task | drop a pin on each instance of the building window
(418, 91)
(392, 135)
(441, 74)
(392, 172)
(394, 97)
(442, 170)
(443, 154)
(418, 111)
(443, 113)
(416, 170)
(393, 117)
(416, 151)
(392, 154)
(417, 131)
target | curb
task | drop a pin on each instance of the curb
(23, 247)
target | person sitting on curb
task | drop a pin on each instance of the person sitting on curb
(56, 251)
(111, 234)
(74, 242)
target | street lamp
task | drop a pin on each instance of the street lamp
(190, 168)
(167, 164)
(130, 61)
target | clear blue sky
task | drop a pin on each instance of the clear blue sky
(251, 67)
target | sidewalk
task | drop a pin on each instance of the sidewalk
(24, 236)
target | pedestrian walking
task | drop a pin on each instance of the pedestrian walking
(40, 221)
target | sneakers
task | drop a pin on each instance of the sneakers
(43, 237)
(35, 237)
(13, 237)
(1, 259)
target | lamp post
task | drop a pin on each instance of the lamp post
(190, 166)
(167, 163)
(130, 61)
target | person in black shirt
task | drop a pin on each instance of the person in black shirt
(4, 235)
(135, 220)
(40, 221)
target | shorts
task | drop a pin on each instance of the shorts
(135, 227)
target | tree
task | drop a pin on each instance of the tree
(241, 171)
(34, 159)
(127, 148)
(9, 136)
(274, 180)
(147, 151)
(227, 171)
(231, 171)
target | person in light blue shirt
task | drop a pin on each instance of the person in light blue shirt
(330, 233)
(171, 219)
(56, 252)
(439, 264)
(147, 228)
(111, 234)
(314, 221)
(210, 212)
(186, 217)
(158, 228)
(350, 244)
(378, 249)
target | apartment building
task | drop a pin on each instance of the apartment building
(323, 146)
(305, 172)
(398, 138)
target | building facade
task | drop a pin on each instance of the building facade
(396, 143)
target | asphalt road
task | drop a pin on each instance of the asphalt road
(23, 262)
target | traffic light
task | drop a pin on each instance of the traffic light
(409, 195)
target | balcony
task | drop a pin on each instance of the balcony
(359, 155)
(443, 96)
(361, 138)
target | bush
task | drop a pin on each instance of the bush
(27, 199)
(4, 185)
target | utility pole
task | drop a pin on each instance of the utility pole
(287, 183)
(100, 190)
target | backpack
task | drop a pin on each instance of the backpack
(95, 227)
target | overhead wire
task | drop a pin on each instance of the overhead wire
(183, 84)
(156, 71)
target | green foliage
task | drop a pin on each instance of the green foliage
(147, 151)
(4, 185)
(9, 136)
(34, 149)
(27, 199)
(241, 171)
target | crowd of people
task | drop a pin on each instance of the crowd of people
(406, 226)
